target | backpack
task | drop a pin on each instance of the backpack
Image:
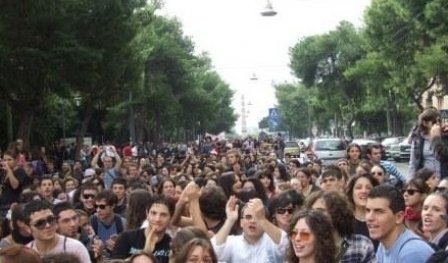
(118, 224)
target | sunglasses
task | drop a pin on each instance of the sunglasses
(304, 236)
(87, 196)
(102, 207)
(412, 191)
(42, 223)
(281, 211)
(440, 189)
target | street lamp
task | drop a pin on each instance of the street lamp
(268, 10)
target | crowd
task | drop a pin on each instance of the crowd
(218, 201)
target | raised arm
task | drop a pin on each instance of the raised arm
(232, 216)
(275, 233)
(94, 162)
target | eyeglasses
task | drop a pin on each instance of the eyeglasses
(412, 191)
(281, 211)
(440, 189)
(247, 217)
(102, 207)
(87, 196)
(42, 223)
(304, 235)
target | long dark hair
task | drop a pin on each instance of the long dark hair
(321, 228)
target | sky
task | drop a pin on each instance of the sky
(241, 42)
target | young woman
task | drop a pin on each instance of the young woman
(353, 157)
(414, 194)
(379, 173)
(281, 209)
(197, 250)
(267, 179)
(358, 188)
(429, 177)
(434, 219)
(312, 239)
(167, 188)
(305, 177)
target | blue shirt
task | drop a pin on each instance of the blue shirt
(408, 248)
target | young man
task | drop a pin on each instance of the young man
(46, 189)
(331, 179)
(87, 197)
(106, 224)
(152, 239)
(43, 225)
(261, 240)
(385, 216)
(119, 187)
(395, 177)
(110, 170)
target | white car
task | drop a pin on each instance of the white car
(329, 150)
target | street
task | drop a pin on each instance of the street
(402, 167)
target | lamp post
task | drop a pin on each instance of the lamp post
(268, 10)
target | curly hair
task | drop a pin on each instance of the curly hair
(321, 228)
(338, 208)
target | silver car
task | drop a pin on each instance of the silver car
(329, 150)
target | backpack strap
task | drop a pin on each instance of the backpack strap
(65, 244)
(118, 224)
(412, 238)
(94, 222)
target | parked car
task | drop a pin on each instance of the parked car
(292, 148)
(388, 142)
(401, 151)
(329, 150)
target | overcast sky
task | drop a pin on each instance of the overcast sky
(241, 42)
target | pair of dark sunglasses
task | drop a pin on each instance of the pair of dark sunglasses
(42, 223)
(281, 211)
(440, 189)
(411, 191)
(102, 207)
(87, 196)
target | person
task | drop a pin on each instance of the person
(110, 170)
(306, 181)
(379, 173)
(312, 238)
(281, 209)
(20, 232)
(68, 223)
(46, 189)
(88, 192)
(358, 188)
(439, 143)
(428, 176)
(142, 257)
(197, 250)
(422, 155)
(19, 253)
(105, 223)
(385, 221)
(434, 218)
(14, 180)
(414, 194)
(60, 258)
(353, 158)
(331, 179)
(267, 179)
(260, 241)
(353, 248)
(42, 222)
(152, 239)
(119, 186)
(139, 202)
(395, 177)
(182, 237)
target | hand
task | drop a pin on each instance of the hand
(232, 209)
(97, 246)
(192, 191)
(257, 208)
(110, 243)
(435, 131)
(151, 239)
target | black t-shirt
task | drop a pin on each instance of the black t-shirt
(133, 241)
(10, 195)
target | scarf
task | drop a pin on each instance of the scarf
(412, 214)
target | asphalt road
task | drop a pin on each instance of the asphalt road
(402, 167)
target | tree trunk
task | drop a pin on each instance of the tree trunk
(82, 131)
(24, 130)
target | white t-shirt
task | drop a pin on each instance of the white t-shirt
(67, 245)
(237, 249)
